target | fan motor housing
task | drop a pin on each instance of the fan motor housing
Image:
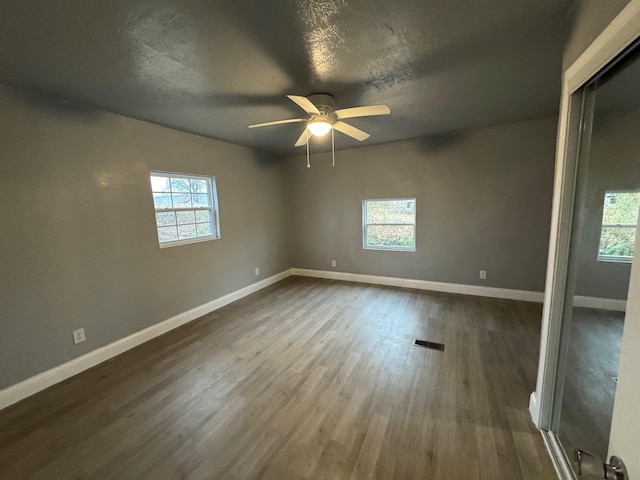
(323, 102)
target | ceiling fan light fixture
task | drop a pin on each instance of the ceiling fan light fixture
(319, 128)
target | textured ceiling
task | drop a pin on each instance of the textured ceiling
(213, 67)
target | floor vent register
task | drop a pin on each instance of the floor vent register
(428, 344)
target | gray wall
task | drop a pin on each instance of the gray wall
(78, 241)
(613, 165)
(483, 202)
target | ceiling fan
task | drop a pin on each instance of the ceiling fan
(323, 117)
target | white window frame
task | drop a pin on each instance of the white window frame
(212, 208)
(615, 258)
(365, 225)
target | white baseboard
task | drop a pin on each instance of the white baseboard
(475, 290)
(533, 409)
(37, 383)
(600, 303)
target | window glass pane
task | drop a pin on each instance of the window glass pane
(161, 200)
(400, 236)
(160, 184)
(617, 241)
(619, 217)
(184, 207)
(200, 200)
(199, 186)
(181, 200)
(391, 211)
(180, 185)
(186, 217)
(167, 234)
(203, 216)
(186, 231)
(165, 219)
(620, 207)
(204, 229)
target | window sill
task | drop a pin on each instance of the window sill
(391, 249)
(614, 259)
(186, 242)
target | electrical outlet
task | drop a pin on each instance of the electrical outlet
(483, 274)
(333, 263)
(78, 336)
(257, 271)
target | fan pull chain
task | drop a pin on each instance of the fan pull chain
(333, 149)
(308, 163)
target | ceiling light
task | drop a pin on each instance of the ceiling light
(319, 128)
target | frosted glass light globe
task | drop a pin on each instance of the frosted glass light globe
(319, 128)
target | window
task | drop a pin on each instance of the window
(619, 222)
(389, 224)
(186, 208)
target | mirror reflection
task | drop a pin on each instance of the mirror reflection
(602, 247)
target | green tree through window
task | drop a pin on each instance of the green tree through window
(390, 224)
(186, 208)
(619, 222)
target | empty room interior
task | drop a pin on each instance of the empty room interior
(319, 239)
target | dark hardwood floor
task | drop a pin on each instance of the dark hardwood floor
(306, 379)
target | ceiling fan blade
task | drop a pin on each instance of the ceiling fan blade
(278, 122)
(351, 131)
(367, 111)
(304, 103)
(304, 138)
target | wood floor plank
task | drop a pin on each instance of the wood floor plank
(307, 379)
